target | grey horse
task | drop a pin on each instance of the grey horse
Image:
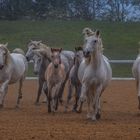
(36, 46)
(73, 80)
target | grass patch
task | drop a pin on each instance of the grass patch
(120, 39)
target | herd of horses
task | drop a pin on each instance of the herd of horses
(86, 69)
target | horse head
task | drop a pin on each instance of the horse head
(3, 55)
(33, 45)
(37, 59)
(78, 55)
(92, 44)
(55, 56)
(87, 32)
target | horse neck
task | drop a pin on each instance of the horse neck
(96, 58)
(8, 59)
(45, 61)
(76, 65)
(46, 49)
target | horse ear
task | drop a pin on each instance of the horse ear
(76, 49)
(97, 33)
(38, 43)
(52, 50)
(60, 49)
(6, 45)
(80, 48)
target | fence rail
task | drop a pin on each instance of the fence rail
(121, 61)
(111, 61)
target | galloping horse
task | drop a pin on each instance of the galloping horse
(95, 75)
(73, 80)
(55, 76)
(13, 68)
(40, 63)
(67, 58)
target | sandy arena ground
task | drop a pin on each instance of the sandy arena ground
(120, 118)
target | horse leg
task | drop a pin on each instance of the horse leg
(3, 94)
(53, 96)
(39, 91)
(56, 95)
(49, 101)
(19, 92)
(98, 115)
(3, 91)
(84, 91)
(61, 90)
(138, 88)
(45, 89)
(70, 87)
(76, 98)
(96, 103)
(89, 100)
(50, 89)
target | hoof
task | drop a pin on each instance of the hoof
(65, 109)
(1, 106)
(37, 103)
(98, 116)
(16, 107)
(74, 110)
(44, 102)
(20, 97)
(61, 101)
(79, 111)
(49, 110)
(89, 116)
(139, 107)
(93, 118)
(82, 99)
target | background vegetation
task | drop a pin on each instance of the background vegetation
(120, 39)
(112, 10)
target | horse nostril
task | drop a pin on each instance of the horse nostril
(86, 53)
(56, 65)
(27, 58)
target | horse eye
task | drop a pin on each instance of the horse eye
(4, 53)
(95, 41)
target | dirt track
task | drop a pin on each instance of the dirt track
(120, 118)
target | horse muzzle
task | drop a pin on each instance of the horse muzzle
(27, 58)
(86, 53)
(56, 66)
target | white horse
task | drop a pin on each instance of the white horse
(94, 75)
(13, 68)
(136, 74)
